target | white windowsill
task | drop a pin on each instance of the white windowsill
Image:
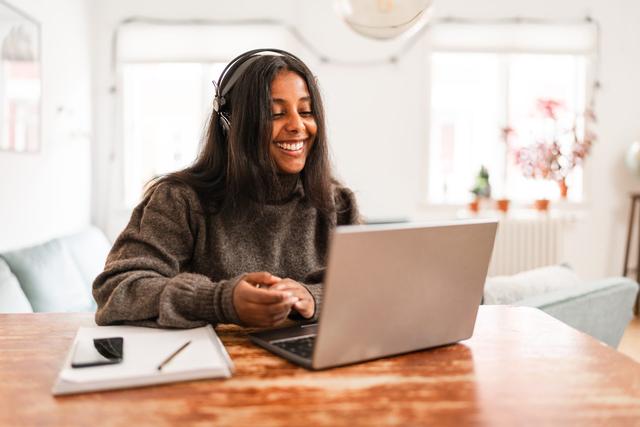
(557, 209)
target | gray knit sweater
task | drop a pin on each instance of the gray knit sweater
(175, 266)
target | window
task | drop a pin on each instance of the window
(476, 91)
(165, 71)
(165, 109)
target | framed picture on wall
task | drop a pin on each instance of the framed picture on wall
(20, 81)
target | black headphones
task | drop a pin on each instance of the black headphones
(241, 62)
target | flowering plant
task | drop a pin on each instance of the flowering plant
(558, 141)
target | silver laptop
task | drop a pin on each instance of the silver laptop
(392, 289)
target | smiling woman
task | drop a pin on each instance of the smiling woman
(241, 235)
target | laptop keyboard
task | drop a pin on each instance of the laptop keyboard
(302, 346)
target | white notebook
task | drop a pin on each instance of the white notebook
(143, 350)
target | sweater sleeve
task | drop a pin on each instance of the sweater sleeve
(144, 282)
(346, 214)
(346, 207)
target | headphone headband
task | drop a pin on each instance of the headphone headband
(243, 62)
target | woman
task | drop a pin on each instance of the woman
(241, 235)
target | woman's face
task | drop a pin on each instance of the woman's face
(294, 124)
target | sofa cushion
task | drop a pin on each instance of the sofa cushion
(49, 278)
(601, 308)
(12, 298)
(88, 249)
(511, 289)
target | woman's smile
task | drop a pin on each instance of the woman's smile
(292, 148)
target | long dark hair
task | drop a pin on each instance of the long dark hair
(234, 167)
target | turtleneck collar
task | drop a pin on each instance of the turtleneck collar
(287, 186)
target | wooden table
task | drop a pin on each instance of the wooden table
(521, 367)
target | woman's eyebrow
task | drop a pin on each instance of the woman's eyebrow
(284, 101)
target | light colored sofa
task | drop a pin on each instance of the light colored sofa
(57, 275)
(600, 308)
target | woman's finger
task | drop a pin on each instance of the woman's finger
(271, 309)
(264, 296)
(298, 291)
(258, 315)
(287, 285)
(283, 307)
(261, 277)
(304, 307)
(276, 320)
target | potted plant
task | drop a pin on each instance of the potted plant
(557, 142)
(481, 189)
(541, 205)
(503, 205)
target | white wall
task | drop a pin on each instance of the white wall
(47, 194)
(377, 115)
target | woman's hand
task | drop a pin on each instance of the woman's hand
(257, 306)
(306, 305)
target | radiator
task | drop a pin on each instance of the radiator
(526, 243)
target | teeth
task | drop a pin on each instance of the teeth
(290, 147)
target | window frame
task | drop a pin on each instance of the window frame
(124, 203)
(591, 84)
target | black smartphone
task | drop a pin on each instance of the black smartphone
(96, 352)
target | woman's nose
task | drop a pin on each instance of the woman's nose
(295, 123)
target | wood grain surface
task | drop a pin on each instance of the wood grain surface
(521, 367)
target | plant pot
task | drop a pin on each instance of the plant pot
(542, 205)
(563, 188)
(474, 206)
(502, 205)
